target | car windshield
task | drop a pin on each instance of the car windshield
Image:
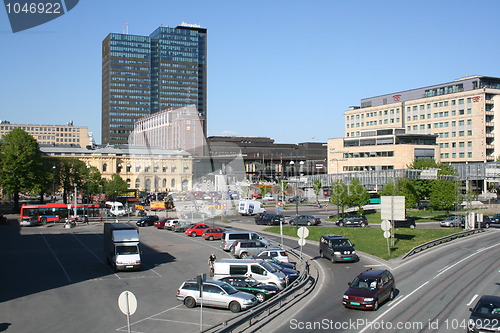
(364, 283)
(268, 267)
(228, 288)
(341, 242)
(127, 250)
(488, 308)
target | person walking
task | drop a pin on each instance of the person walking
(211, 262)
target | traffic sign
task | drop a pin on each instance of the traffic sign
(303, 232)
(302, 241)
(127, 303)
(387, 234)
(385, 225)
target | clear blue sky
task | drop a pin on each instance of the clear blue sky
(284, 69)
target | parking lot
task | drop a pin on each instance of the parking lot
(58, 280)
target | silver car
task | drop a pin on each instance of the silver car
(452, 221)
(216, 294)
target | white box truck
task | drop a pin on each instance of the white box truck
(250, 207)
(121, 245)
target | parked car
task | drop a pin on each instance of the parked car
(250, 285)
(337, 248)
(495, 218)
(409, 222)
(278, 253)
(452, 221)
(352, 221)
(244, 248)
(160, 224)
(370, 289)
(276, 261)
(169, 225)
(197, 230)
(305, 220)
(30, 221)
(215, 293)
(290, 274)
(183, 226)
(485, 223)
(213, 233)
(296, 198)
(269, 219)
(485, 316)
(146, 221)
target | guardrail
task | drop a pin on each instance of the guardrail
(261, 314)
(441, 240)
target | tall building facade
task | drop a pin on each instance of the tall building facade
(143, 75)
(461, 115)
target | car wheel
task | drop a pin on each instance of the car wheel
(234, 306)
(321, 255)
(211, 238)
(260, 297)
(412, 226)
(487, 225)
(363, 224)
(189, 302)
(391, 295)
(341, 224)
(333, 259)
(375, 305)
(243, 255)
(308, 223)
(193, 234)
(43, 220)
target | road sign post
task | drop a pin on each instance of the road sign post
(302, 232)
(386, 226)
(128, 305)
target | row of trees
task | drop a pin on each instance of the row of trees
(25, 170)
(442, 193)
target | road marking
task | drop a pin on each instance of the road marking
(102, 262)
(472, 300)
(55, 256)
(392, 307)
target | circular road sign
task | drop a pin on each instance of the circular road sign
(127, 303)
(385, 225)
(303, 232)
(302, 241)
(387, 234)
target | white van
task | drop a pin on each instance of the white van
(116, 208)
(229, 237)
(250, 207)
(258, 269)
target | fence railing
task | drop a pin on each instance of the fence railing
(441, 240)
(261, 314)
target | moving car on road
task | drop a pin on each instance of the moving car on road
(452, 221)
(305, 220)
(485, 316)
(370, 289)
(353, 221)
(337, 248)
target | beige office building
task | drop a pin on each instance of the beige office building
(391, 131)
(143, 168)
(52, 134)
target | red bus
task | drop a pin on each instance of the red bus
(55, 212)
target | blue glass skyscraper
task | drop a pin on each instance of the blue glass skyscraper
(142, 75)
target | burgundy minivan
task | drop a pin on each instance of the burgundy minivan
(369, 289)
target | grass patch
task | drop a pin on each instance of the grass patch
(418, 215)
(372, 241)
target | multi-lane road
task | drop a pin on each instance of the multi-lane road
(57, 280)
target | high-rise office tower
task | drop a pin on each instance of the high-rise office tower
(142, 75)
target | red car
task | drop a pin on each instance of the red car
(197, 230)
(160, 224)
(213, 233)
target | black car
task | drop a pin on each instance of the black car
(305, 220)
(269, 219)
(250, 285)
(495, 218)
(485, 316)
(147, 221)
(337, 248)
(409, 222)
(295, 199)
(290, 265)
(370, 289)
(291, 274)
(352, 221)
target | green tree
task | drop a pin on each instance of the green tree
(358, 195)
(317, 187)
(405, 188)
(264, 190)
(71, 172)
(389, 189)
(443, 195)
(339, 196)
(20, 164)
(115, 186)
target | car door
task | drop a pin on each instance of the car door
(214, 296)
(384, 286)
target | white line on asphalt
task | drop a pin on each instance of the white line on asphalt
(472, 300)
(102, 262)
(392, 306)
(60, 264)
